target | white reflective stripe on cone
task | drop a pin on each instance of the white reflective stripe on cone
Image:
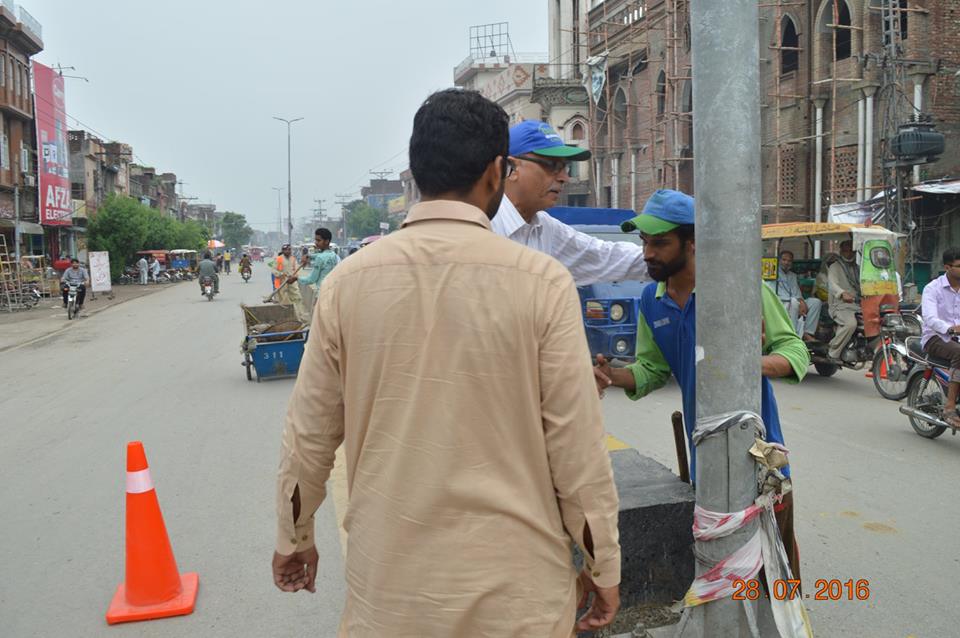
(139, 482)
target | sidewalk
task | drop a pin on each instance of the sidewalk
(49, 317)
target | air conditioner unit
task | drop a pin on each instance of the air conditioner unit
(29, 180)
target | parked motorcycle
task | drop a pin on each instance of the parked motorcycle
(892, 364)
(207, 284)
(927, 392)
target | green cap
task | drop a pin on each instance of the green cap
(665, 210)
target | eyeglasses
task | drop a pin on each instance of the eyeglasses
(553, 167)
(511, 166)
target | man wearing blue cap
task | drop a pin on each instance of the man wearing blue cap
(666, 333)
(540, 160)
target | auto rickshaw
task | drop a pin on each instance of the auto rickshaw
(182, 259)
(879, 296)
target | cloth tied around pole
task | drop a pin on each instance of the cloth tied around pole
(765, 548)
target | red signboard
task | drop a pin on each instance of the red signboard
(53, 161)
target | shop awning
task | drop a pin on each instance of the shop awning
(28, 228)
(947, 187)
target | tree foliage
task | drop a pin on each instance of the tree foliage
(364, 220)
(235, 230)
(123, 226)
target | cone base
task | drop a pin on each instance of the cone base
(122, 611)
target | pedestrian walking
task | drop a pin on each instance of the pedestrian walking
(541, 162)
(143, 267)
(226, 261)
(453, 366)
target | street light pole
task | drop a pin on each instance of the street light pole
(725, 65)
(289, 179)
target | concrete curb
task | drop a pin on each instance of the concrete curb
(71, 324)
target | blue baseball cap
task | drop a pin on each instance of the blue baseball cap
(531, 136)
(665, 210)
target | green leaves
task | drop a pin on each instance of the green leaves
(235, 230)
(123, 226)
(364, 220)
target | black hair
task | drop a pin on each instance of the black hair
(74, 260)
(951, 255)
(456, 134)
(685, 232)
(787, 252)
(324, 233)
(207, 255)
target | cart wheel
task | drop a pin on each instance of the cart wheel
(248, 363)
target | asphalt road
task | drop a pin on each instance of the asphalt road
(164, 369)
(875, 501)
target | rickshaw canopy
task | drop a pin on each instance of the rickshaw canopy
(826, 231)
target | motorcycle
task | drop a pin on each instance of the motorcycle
(927, 392)
(72, 292)
(207, 287)
(246, 273)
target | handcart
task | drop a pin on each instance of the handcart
(273, 341)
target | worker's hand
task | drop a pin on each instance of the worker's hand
(296, 571)
(847, 297)
(602, 374)
(291, 279)
(803, 308)
(606, 603)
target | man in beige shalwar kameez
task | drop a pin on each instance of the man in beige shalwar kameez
(452, 364)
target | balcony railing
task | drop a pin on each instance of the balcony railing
(30, 23)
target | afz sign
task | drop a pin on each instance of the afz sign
(56, 205)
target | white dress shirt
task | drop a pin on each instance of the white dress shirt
(589, 260)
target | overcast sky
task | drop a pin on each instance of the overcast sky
(192, 85)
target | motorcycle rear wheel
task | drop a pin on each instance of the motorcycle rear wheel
(887, 387)
(926, 395)
(71, 310)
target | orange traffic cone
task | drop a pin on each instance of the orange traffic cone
(153, 587)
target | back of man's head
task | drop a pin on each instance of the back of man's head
(456, 135)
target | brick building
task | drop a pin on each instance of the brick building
(843, 65)
(21, 38)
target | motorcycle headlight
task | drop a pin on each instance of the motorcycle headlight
(621, 346)
(617, 312)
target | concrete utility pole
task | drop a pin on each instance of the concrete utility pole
(726, 71)
(289, 179)
(342, 201)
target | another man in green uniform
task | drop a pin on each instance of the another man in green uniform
(666, 334)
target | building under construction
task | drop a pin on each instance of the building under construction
(841, 80)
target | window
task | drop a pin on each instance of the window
(19, 80)
(11, 74)
(661, 93)
(789, 56)
(577, 133)
(642, 64)
(844, 36)
(3, 72)
(896, 16)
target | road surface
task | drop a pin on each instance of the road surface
(875, 501)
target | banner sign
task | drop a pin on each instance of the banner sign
(53, 161)
(100, 271)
